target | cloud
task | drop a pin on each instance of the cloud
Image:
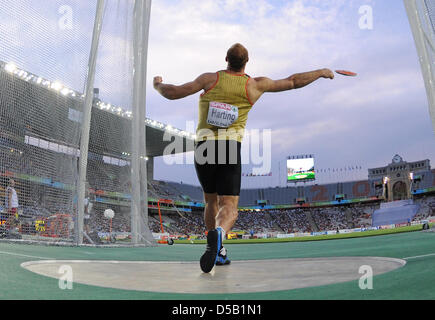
(198, 35)
(31, 37)
(369, 91)
(307, 133)
(342, 121)
(191, 37)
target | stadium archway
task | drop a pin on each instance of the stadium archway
(400, 191)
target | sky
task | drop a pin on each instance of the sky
(362, 121)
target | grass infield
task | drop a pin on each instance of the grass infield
(363, 234)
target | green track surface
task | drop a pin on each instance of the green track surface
(416, 280)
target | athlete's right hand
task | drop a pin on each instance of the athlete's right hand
(328, 74)
(157, 81)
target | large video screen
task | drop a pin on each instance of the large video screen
(300, 170)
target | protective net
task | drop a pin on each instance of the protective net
(46, 49)
(421, 15)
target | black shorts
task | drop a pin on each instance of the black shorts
(219, 167)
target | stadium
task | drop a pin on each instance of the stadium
(302, 240)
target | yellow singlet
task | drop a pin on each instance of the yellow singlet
(224, 108)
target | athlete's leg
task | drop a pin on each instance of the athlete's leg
(228, 212)
(211, 210)
(226, 181)
(220, 216)
(10, 221)
(228, 186)
(225, 220)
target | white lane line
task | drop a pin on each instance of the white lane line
(415, 257)
(24, 255)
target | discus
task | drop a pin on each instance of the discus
(346, 73)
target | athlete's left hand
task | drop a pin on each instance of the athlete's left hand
(157, 81)
(327, 74)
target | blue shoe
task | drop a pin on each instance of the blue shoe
(222, 258)
(214, 244)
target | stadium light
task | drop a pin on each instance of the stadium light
(56, 86)
(59, 87)
(10, 67)
(22, 74)
(65, 91)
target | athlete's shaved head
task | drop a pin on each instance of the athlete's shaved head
(237, 57)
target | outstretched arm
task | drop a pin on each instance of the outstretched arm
(295, 81)
(173, 92)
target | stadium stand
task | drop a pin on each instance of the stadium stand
(42, 158)
(43, 201)
(395, 213)
(188, 192)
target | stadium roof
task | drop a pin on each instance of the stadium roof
(110, 127)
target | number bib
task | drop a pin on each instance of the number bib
(222, 115)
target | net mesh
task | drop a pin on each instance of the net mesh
(430, 6)
(427, 14)
(44, 52)
(421, 15)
